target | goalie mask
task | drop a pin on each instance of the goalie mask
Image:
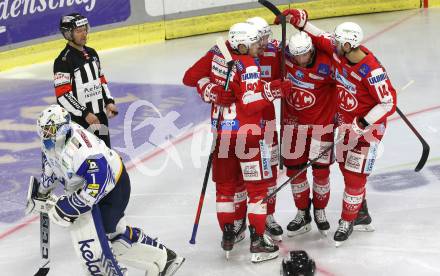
(53, 125)
(297, 263)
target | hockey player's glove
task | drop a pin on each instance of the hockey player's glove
(37, 202)
(297, 17)
(359, 126)
(276, 89)
(213, 93)
(68, 209)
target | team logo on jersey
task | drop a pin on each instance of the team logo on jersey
(323, 69)
(364, 70)
(299, 74)
(301, 99)
(347, 101)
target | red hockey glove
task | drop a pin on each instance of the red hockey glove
(211, 92)
(276, 89)
(296, 17)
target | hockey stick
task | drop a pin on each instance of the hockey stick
(225, 52)
(308, 165)
(44, 245)
(44, 228)
(282, 18)
(425, 146)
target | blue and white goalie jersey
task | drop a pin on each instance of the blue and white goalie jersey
(86, 167)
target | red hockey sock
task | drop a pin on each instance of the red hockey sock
(321, 188)
(240, 201)
(257, 210)
(273, 200)
(225, 203)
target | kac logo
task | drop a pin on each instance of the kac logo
(301, 99)
(347, 101)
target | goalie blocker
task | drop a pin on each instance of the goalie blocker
(97, 189)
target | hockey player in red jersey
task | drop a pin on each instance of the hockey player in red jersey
(309, 122)
(366, 98)
(242, 154)
(269, 60)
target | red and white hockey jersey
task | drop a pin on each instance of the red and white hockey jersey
(314, 100)
(364, 89)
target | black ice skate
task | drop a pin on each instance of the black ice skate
(363, 220)
(262, 247)
(321, 221)
(239, 229)
(228, 238)
(301, 223)
(273, 229)
(173, 263)
(344, 231)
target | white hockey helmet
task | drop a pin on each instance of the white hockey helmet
(349, 32)
(261, 24)
(300, 44)
(243, 33)
(53, 124)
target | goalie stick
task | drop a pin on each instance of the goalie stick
(282, 18)
(228, 58)
(44, 231)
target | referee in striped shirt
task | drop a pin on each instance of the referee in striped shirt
(80, 85)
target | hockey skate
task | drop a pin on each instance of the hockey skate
(362, 222)
(300, 224)
(262, 247)
(228, 239)
(321, 221)
(174, 262)
(239, 229)
(273, 229)
(344, 231)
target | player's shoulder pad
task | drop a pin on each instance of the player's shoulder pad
(215, 50)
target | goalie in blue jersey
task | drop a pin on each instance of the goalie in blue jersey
(93, 175)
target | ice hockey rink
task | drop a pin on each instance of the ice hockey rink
(162, 133)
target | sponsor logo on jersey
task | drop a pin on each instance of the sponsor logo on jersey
(250, 76)
(251, 170)
(347, 84)
(226, 124)
(301, 99)
(299, 74)
(315, 77)
(344, 72)
(93, 167)
(219, 60)
(323, 69)
(219, 70)
(347, 101)
(378, 78)
(364, 70)
(302, 84)
(265, 160)
(75, 142)
(266, 71)
(356, 76)
(84, 137)
(61, 78)
(269, 54)
(91, 261)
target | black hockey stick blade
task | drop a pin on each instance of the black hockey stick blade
(42, 271)
(425, 146)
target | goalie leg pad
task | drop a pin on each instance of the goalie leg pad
(134, 248)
